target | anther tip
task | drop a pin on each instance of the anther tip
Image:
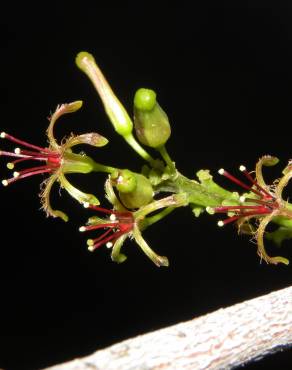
(3, 135)
(15, 174)
(17, 150)
(4, 182)
(82, 228)
(90, 248)
(113, 217)
(221, 171)
(242, 199)
(10, 165)
(90, 242)
(242, 168)
(220, 223)
(86, 204)
(109, 244)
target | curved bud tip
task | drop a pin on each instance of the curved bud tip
(145, 99)
(74, 106)
(83, 57)
(162, 261)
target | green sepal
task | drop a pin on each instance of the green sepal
(77, 163)
(116, 255)
(91, 138)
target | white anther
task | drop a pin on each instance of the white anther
(242, 168)
(242, 199)
(221, 171)
(4, 182)
(220, 223)
(82, 228)
(17, 150)
(15, 174)
(90, 248)
(113, 217)
(86, 204)
(109, 244)
(120, 179)
(3, 135)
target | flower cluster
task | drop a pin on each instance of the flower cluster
(139, 200)
(57, 160)
(263, 203)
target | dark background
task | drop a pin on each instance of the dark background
(223, 73)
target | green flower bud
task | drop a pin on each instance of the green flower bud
(150, 121)
(141, 195)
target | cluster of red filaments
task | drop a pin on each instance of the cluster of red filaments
(264, 204)
(117, 224)
(31, 152)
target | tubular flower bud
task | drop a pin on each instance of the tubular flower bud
(116, 112)
(57, 160)
(150, 121)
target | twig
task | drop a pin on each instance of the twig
(223, 339)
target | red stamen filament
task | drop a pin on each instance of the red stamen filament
(24, 175)
(261, 189)
(22, 142)
(123, 224)
(240, 183)
(52, 159)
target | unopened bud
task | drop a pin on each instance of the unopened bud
(150, 121)
(141, 195)
(116, 112)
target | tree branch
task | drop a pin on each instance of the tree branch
(223, 339)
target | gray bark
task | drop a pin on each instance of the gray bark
(223, 339)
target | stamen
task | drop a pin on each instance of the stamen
(4, 135)
(254, 182)
(109, 245)
(24, 174)
(4, 182)
(113, 217)
(238, 182)
(82, 229)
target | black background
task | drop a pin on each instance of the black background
(223, 73)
